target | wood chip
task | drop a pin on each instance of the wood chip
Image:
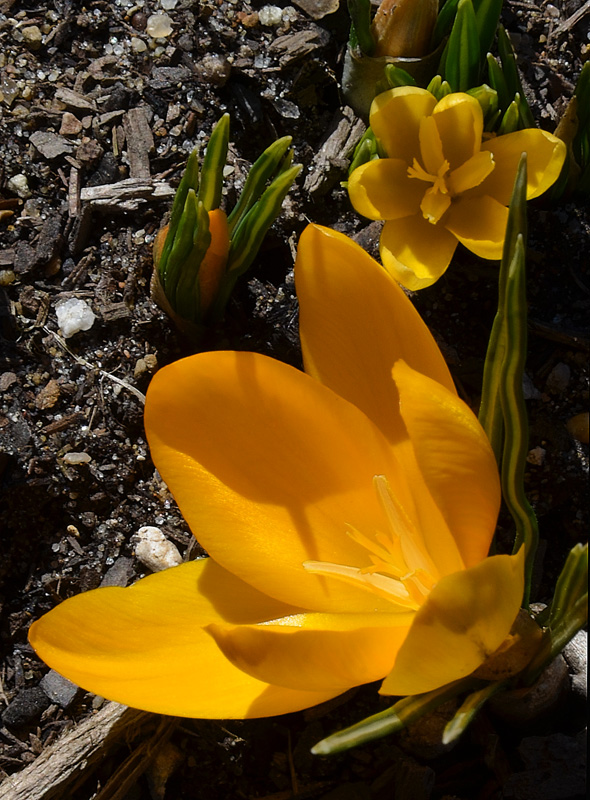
(140, 142)
(127, 194)
(333, 158)
(72, 99)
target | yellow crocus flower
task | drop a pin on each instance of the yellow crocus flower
(440, 184)
(347, 513)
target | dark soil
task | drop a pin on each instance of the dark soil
(69, 122)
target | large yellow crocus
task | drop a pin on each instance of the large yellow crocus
(347, 513)
(440, 184)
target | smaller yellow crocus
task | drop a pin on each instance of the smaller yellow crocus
(440, 184)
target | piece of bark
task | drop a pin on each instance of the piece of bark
(74, 753)
(140, 142)
(127, 194)
(333, 158)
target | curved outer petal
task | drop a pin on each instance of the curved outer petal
(479, 223)
(545, 157)
(381, 189)
(145, 646)
(456, 462)
(415, 252)
(317, 652)
(459, 120)
(464, 619)
(355, 322)
(270, 468)
(395, 120)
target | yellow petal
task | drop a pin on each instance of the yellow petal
(415, 252)
(145, 646)
(479, 223)
(459, 120)
(431, 147)
(434, 205)
(464, 619)
(545, 157)
(269, 469)
(395, 120)
(471, 173)
(317, 652)
(457, 464)
(347, 302)
(381, 189)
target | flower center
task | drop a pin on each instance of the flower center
(400, 569)
(438, 198)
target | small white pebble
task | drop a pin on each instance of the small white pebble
(77, 458)
(154, 550)
(270, 15)
(74, 315)
(19, 185)
(536, 456)
(138, 45)
(159, 26)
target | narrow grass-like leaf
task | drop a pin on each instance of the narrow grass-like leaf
(515, 448)
(511, 76)
(360, 29)
(213, 163)
(510, 120)
(487, 98)
(182, 245)
(444, 21)
(189, 180)
(468, 710)
(263, 169)
(438, 87)
(393, 719)
(186, 297)
(498, 82)
(249, 234)
(567, 613)
(366, 150)
(462, 62)
(487, 16)
(396, 76)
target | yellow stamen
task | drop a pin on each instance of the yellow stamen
(400, 569)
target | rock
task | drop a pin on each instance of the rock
(32, 36)
(74, 315)
(48, 395)
(318, 9)
(154, 550)
(74, 459)
(49, 144)
(522, 706)
(405, 779)
(118, 574)
(214, 70)
(555, 769)
(159, 26)
(19, 185)
(28, 704)
(59, 689)
(70, 125)
(558, 379)
(576, 655)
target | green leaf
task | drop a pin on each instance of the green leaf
(487, 98)
(266, 166)
(186, 297)
(444, 21)
(189, 180)
(213, 164)
(396, 76)
(516, 439)
(182, 245)
(360, 29)
(487, 16)
(511, 76)
(498, 82)
(249, 234)
(468, 710)
(510, 120)
(393, 719)
(462, 62)
(366, 150)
